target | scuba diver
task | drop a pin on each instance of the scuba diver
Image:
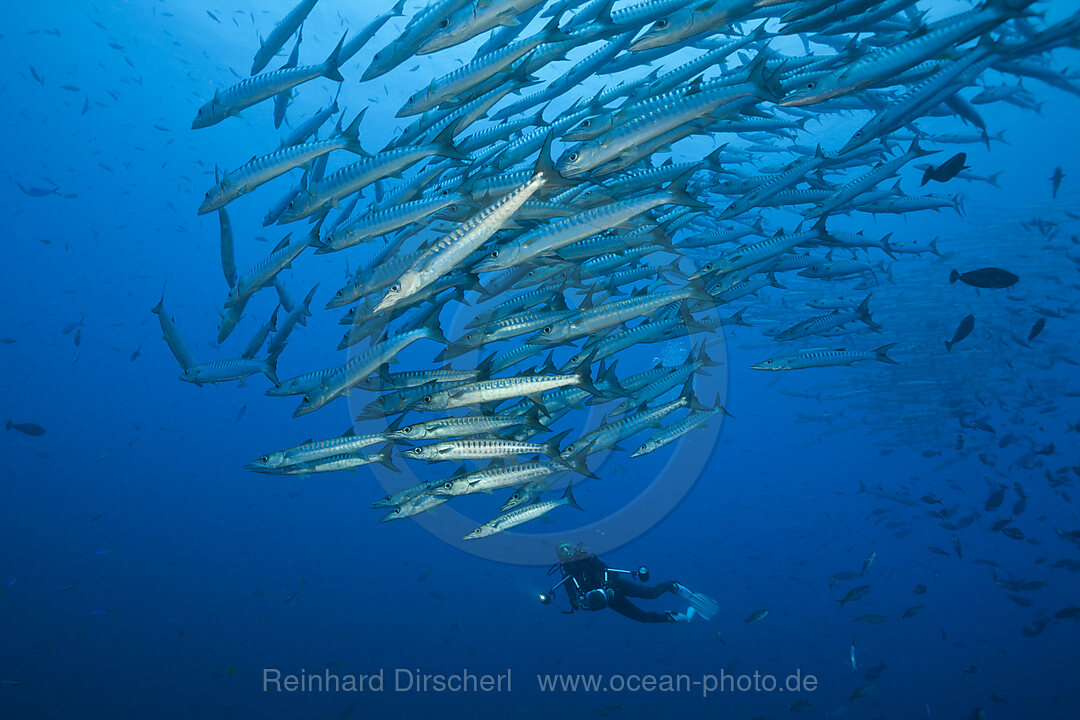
(592, 585)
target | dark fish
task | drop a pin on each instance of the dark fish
(35, 74)
(1014, 533)
(990, 278)
(1056, 179)
(1036, 328)
(947, 170)
(27, 428)
(994, 501)
(920, 589)
(962, 331)
(34, 191)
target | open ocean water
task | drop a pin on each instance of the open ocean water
(888, 527)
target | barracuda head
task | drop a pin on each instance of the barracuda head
(431, 401)
(400, 290)
(578, 159)
(453, 29)
(777, 363)
(813, 90)
(590, 128)
(667, 30)
(423, 452)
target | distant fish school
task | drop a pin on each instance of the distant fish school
(527, 192)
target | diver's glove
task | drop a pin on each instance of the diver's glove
(687, 616)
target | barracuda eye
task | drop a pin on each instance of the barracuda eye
(573, 157)
(448, 485)
(418, 451)
(395, 511)
(547, 330)
(707, 268)
(811, 85)
(469, 336)
(395, 287)
(307, 398)
(452, 208)
(264, 458)
(660, 24)
(586, 123)
(407, 429)
(427, 399)
(494, 254)
(445, 23)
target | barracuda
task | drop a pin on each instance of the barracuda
(309, 451)
(260, 170)
(691, 21)
(601, 317)
(825, 358)
(496, 478)
(824, 323)
(477, 17)
(567, 231)
(676, 430)
(265, 271)
(253, 90)
(468, 425)
(281, 33)
(446, 253)
(522, 515)
(381, 222)
(905, 55)
(353, 178)
(364, 364)
(451, 86)
(496, 390)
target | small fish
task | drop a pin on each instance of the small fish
(1036, 329)
(947, 170)
(913, 611)
(871, 619)
(962, 331)
(1056, 179)
(756, 616)
(862, 691)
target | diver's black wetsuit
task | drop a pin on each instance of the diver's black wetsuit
(588, 570)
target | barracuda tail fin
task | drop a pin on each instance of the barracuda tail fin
(547, 167)
(568, 496)
(532, 419)
(551, 447)
(882, 355)
(680, 195)
(330, 67)
(576, 462)
(582, 374)
(351, 136)
(445, 142)
(269, 368)
(863, 312)
(385, 458)
(691, 400)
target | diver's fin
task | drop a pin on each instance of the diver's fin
(704, 605)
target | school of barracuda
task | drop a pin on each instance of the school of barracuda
(543, 211)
